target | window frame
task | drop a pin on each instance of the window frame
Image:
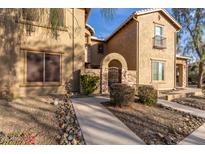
(164, 74)
(44, 83)
(162, 28)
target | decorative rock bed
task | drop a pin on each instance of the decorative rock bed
(70, 131)
(157, 124)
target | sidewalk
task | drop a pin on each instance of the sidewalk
(198, 136)
(184, 108)
(195, 138)
(99, 126)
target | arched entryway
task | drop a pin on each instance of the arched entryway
(113, 69)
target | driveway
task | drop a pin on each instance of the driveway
(100, 126)
(30, 113)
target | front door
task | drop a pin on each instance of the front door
(114, 75)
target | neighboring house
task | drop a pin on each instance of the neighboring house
(36, 59)
(142, 51)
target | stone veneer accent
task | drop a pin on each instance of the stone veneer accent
(128, 77)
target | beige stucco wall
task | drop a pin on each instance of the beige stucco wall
(147, 53)
(124, 43)
(96, 57)
(71, 41)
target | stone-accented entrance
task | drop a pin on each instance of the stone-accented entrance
(111, 61)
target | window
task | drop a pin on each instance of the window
(158, 40)
(43, 67)
(101, 48)
(34, 67)
(158, 71)
(52, 68)
(158, 31)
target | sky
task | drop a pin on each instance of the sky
(104, 27)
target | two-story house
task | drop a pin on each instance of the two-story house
(36, 56)
(142, 51)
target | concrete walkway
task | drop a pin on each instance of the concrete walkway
(195, 138)
(184, 108)
(100, 126)
(198, 136)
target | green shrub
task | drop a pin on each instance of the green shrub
(121, 94)
(147, 95)
(89, 83)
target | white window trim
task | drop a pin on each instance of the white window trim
(157, 25)
(158, 81)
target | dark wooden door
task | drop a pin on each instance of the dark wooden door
(114, 75)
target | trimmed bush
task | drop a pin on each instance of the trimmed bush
(89, 83)
(121, 94)
(147, 95)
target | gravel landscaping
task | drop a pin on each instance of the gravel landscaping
(193, 101)
(156, 124)
(70, 132)
(40, 120)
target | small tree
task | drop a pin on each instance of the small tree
(193, 25)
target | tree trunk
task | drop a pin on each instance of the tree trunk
(200, 75)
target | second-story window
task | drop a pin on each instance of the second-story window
(159, 40)
(101, 48)
(158, 31)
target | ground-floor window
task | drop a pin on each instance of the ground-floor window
(43, 67)
(158, 70)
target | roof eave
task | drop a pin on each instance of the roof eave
(183, 57)
(177, 25)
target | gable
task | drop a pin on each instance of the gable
(164, 13)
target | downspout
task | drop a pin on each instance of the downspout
(137, 51)
(73, 47)
(175, 82)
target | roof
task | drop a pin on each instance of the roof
(90, 29)
(143, 12)
(183, 57)
(97, 39)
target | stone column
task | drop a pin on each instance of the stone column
(124, 75)
(104, 80)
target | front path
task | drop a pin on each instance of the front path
(198, 136)
(100, 126)
(184, 108)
